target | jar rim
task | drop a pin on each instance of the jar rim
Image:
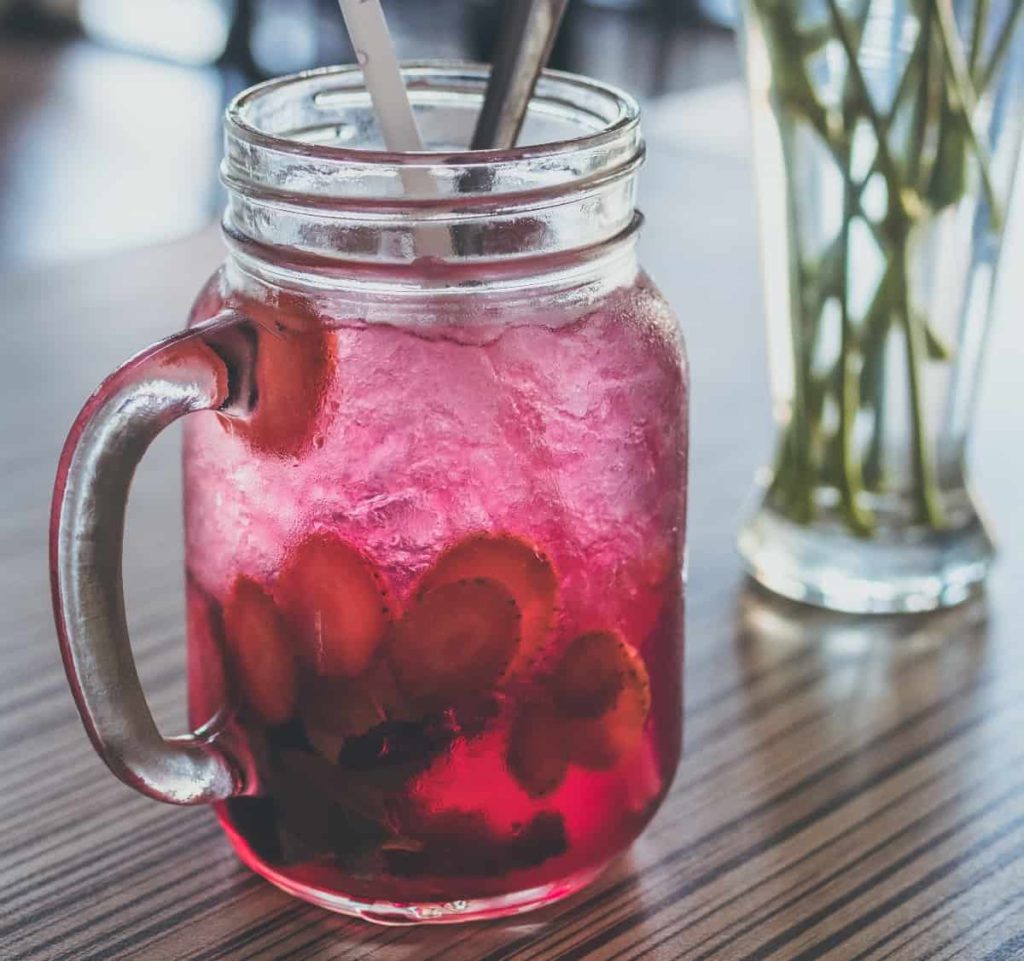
(307, 186)
(623, 115)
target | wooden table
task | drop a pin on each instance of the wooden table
(852, 788)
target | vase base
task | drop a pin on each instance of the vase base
(823, 565)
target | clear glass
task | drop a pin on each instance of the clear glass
(435, 547)
(887, 137)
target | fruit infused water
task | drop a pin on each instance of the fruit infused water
(434, 587)
(435, 501)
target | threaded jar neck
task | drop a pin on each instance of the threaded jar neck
(311, 188)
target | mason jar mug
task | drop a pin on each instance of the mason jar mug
(435, 489)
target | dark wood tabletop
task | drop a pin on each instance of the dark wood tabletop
(852, 788)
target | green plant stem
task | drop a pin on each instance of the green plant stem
(885, 160)
(851, 481)
(875, 330)
(796, 91)
(926, 490)
(915, 151)
(791, 485)
(977, 35)
(886, 121)
(961, 93)
(818, 391)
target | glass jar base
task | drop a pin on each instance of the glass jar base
(447, 912)
(907, 571)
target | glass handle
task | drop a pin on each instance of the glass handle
(185, 373)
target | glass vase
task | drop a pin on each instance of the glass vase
(887, 135)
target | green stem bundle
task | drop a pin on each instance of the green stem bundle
(928, 150)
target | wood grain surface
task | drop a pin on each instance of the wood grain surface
(851, 788)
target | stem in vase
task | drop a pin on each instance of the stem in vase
(851, 482)
(926, 490)
(961, 94)
(977, 35)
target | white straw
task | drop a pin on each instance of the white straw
(375, 52)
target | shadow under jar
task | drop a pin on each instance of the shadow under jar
(435, 497)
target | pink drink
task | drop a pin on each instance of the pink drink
(435, 590)
(435, 492)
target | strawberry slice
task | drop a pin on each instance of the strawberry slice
(603, 692)
(523, 570)
(536, 754)
(336, 603)
(589, 676)
(260, 651)
(454, 642)
(293, 366)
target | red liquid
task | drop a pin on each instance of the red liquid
(435, 597)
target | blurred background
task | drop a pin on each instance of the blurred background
(106, 102)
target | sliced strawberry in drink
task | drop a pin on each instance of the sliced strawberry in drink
(260, 653)
(454, 642)
(523, 570)
(603, 692)
(292, 368)
(336, 603)
(589, 676)
(537, 755)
